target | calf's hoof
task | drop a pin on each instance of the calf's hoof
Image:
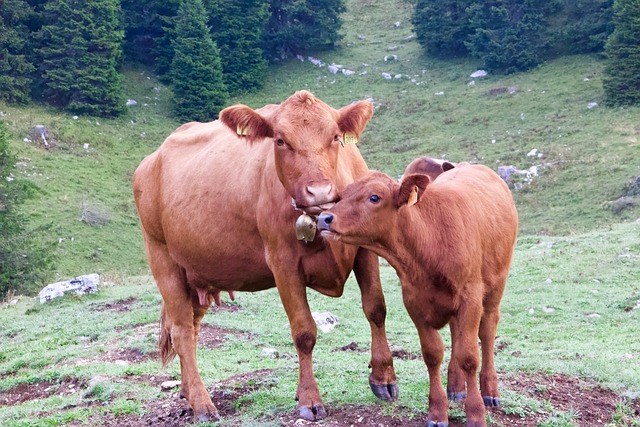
(491, 402)
(457, 397)
(315, 413)
(435, 424)
(388, 392)
(207, 415)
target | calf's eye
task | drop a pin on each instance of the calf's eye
(280, 142)
(374, 198)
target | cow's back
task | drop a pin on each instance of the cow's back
(201, 189)
(475, 208)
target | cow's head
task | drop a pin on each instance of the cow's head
(306, 135)
(428, 166)
(368, 209)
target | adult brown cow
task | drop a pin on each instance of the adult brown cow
(451, 243)
(218, 204)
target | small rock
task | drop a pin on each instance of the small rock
(326, 321)
(479, 73)
(531, 311)
(270, 352)
(387, 76)
(169, 385)
(592, 105)
(439, 93)
(471, 83)
(548, 309)
(131, 102)
(397, 24)
(548, 281)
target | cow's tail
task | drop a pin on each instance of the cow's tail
(167, 352)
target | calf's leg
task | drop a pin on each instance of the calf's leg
(467, 357)
(488, 327)
(383, 377)
(179, 328)
(456, 389)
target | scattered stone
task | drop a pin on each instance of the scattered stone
(397, 76)
(361, 37)
(347, 72)
(270, 352)
(390, 58)
(169, 385)
(548, 281)
(397, 24)
(392, 47)
(532, 153)
(81, 285)
(387, 76)
(548, 309)
(479, 73)
(326, 321)
(334, 68)
(131, 102)
(592, 105)
(531, 311)
(471, 83)
(315, 61)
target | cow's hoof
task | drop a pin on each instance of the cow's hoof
(457, 397)
(388, 392)
(491, 402)
(435, 424)
(314, 413)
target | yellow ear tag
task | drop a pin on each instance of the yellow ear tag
(350, 138)
(242, 131)
(413, 197)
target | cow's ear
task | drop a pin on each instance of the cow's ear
(448, 166)
(246, 122)
(354, 118)
(411, 189)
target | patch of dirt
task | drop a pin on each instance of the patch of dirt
(593, 404)
(120, 306)
(352, 346)
(404, 355)
(41, 390)
(212, 336)
(229, 307)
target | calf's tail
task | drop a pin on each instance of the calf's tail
(167, 353)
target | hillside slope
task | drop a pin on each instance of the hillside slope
(584, 156)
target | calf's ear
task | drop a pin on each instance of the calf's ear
(448, 166)
(246, 122)
(411, 189)
(354, 118)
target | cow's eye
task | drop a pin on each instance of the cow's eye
(280, 142)
(374, 198)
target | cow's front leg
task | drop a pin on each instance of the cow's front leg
(383, 377)
(293, 294)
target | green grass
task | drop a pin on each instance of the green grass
(569, 307)
(70, 339)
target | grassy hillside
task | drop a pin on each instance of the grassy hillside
(587, 155)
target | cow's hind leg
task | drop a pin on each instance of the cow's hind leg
(383, 377)
(179, 325)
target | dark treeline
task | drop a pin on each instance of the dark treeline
(68, 53)
(507, 36)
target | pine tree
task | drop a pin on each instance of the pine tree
(196, 71)
(22, 262)
(144, 25)
(299, 26)
(15, 66)
(509, 35)
(621, 79)
(442, 27)
(238, 30)
(79, 55)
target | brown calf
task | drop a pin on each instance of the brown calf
(218, 205)
(451, 243)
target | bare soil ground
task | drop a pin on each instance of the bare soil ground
(592, 404)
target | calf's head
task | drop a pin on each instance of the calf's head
(306, 135)
(368, 209)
